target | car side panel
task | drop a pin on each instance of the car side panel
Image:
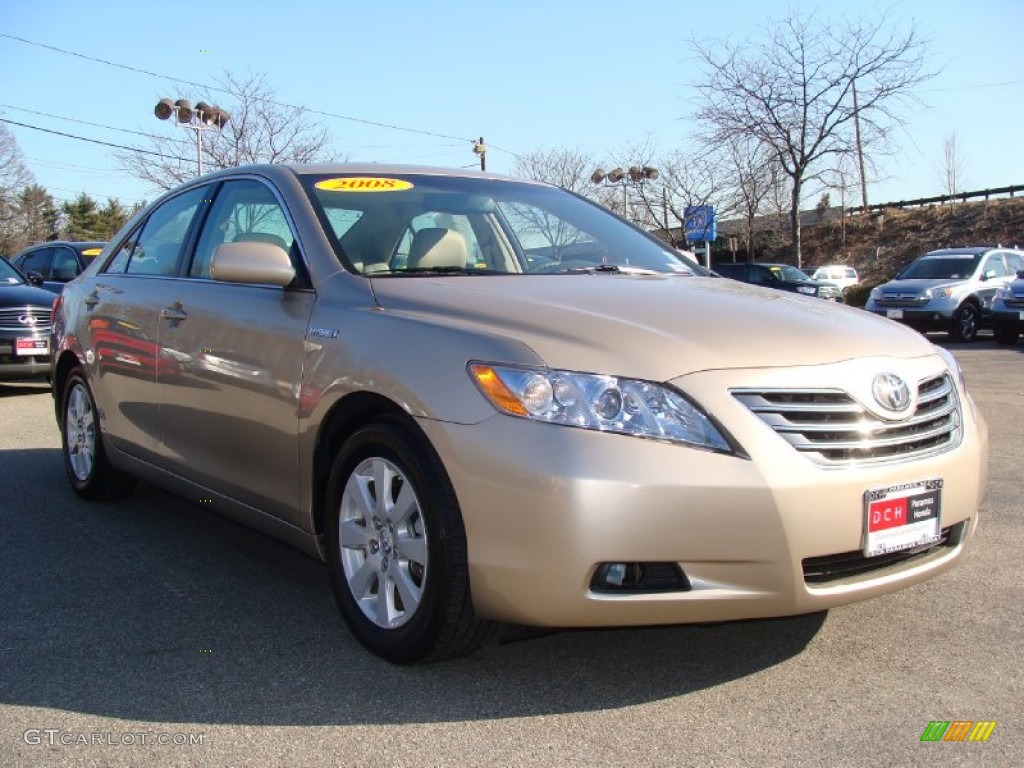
(229, 392)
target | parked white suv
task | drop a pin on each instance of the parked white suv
(839, 274)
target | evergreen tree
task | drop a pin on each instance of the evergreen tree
(36, 215)
(111, 218)
(83, 219)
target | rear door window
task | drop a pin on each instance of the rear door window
(162, 238)
(65, 265)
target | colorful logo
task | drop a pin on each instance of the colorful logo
(958, 730)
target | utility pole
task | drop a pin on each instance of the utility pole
(480, 149)
(860, 148)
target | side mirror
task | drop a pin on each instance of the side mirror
(988, 274)
(252, 262)
(34, 278)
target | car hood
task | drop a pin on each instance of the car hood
(916, 286)
(651, 327)
(24, 295)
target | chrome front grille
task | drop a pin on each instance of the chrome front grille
(905, 299)
(1014, 300)
(11, 319)
(832, 428)
(852, 565)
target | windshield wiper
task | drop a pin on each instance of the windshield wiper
(608, 269)
(434, 271)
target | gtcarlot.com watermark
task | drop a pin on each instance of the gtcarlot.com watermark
(55, 737)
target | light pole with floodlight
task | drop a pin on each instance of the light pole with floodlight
(203, 118)
(635, 176)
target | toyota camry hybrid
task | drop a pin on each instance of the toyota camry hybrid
(481, 400)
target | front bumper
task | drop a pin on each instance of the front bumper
(937, 314)
(545, 505)
(16, 367)
(1008, 317)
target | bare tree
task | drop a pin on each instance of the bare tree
(792, 91)
(751, 163)
(566, 168)
(843, 178)
(14, 176)
(260, 130)
(952, 166)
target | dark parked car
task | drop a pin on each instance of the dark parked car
(1008, 311)
(948, 290)
(783, 277)
(57, 262)
(24, 327)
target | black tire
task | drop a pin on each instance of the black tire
(1005, 333)
(965, 323)
(433, 619)
(85, 457)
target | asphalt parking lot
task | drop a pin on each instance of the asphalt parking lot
(151, 632)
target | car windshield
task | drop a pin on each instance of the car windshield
(9, 275)
(445, 225)
(789, 274)
(958, 267)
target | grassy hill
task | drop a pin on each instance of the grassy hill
(881, 244)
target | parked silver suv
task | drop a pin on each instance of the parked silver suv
(949, 289)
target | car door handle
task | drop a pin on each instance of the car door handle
(173, 313)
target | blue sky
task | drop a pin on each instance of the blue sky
(598, 76)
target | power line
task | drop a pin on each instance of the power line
(95, 141)
(972, 87)
(83, 122)
(222, 90)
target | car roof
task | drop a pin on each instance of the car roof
(371, 169)
(79, 245)
(969, 251)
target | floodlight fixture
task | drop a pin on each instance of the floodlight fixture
(164, 109)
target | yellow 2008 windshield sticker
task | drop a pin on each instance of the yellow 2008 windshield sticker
(92, 251)
(363, 184)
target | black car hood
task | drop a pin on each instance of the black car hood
(24, 296)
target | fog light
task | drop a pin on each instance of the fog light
(639, 577)
(617, 575)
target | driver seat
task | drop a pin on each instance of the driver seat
(437, 247)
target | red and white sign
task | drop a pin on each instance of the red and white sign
(902, 517)
(31, 346)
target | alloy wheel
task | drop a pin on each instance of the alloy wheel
(80, 428)
(383, 542)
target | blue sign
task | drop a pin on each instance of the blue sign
(699, 223)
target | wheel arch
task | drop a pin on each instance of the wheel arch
(66, 363)
(344, 418)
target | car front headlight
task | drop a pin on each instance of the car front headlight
(938, 293)
(954, 366)
(1001, 294)
(603, 403)
(808, 289)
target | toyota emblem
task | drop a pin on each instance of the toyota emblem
(28, 320)
(891, 391)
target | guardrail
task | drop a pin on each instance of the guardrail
(960, 197)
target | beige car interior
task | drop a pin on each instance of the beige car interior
(434, 247)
